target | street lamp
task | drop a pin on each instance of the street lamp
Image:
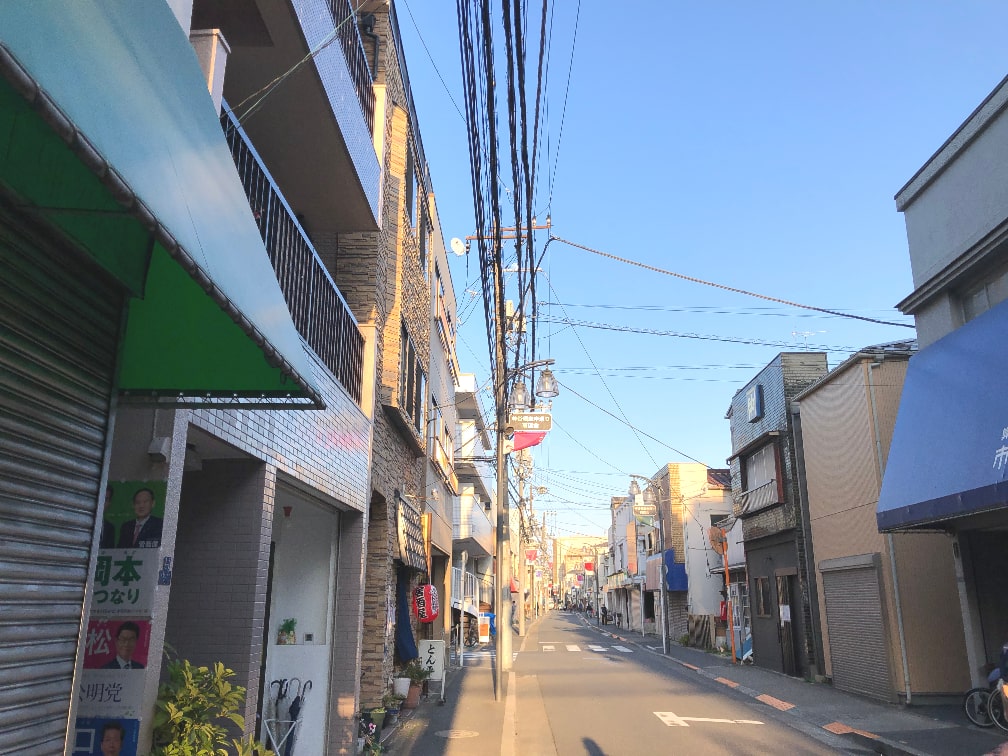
(653, 501)
(547, 389)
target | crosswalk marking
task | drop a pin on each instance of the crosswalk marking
(623, 649)
(573, 648)
(596, 648)
(549, 648)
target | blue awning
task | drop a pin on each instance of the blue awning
(949, 453)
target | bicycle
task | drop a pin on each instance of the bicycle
(976, 704)
(996, 707)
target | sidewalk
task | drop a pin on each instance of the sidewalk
(471, 721)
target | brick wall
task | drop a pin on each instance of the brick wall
(219, 584)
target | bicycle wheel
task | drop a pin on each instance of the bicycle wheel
(996, 709)
(975, 706)
(471, 639)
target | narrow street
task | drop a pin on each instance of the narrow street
(605, 697)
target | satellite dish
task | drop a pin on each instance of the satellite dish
(717, 539)
(458, 246)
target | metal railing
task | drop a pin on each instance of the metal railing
(353, 50)
(474, 588)
(319, 311)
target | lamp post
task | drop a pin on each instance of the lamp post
(547, 389)
(653, 500)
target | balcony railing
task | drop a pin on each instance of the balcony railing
(473, 589)
(353, 50)
(319, 312)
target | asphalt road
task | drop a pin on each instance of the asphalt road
(573, 690)
(578, 693)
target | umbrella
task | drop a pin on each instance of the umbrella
(295, 713)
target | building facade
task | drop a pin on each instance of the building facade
(887, 603)
(947, 463)
(765, 489)
(209, 321)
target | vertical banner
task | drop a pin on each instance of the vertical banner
(117, 644)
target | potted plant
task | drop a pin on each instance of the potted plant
(392, 703)
(285, 634)
(417, 673)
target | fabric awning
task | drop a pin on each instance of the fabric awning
(109, 133)
(949, 452)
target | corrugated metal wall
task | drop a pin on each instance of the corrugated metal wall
(58, 333)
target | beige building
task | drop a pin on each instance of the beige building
(887, 602)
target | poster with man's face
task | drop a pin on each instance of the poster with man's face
(117, 644)
(99, 736)
(133, 514)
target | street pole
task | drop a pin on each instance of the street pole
(664, 580)
(521, 553)
(502, 646)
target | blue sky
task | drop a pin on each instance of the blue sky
(757, 146)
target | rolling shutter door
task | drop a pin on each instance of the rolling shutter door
(59, 321)
(858, 648)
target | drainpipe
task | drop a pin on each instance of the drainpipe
(889, 538)
(367, 29)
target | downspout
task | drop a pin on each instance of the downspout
(367, 29)
(889, 538)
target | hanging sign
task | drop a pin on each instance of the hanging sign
(425, 603)
(531, 555)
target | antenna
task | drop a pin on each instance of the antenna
(459, 247)
(805, 335)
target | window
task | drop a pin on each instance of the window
(716, 520)
(412, 381)
(442, 443)
(422, 240)
(981, 297)
(761, 594)
(409, 182)
(760, 467)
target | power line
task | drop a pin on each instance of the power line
(724, 287)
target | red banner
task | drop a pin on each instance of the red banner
(525, 439)
(425, 603)
(589, 566)
(531, 555)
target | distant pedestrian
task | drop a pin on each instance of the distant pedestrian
(605, 613)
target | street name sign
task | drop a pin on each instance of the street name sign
(531, 421)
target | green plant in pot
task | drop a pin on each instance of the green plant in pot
(418, 674)
(285, 633)
(392, 703)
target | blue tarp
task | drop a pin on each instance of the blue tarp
(949, 452)
(675, 573)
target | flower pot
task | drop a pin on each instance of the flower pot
(400, 686)
(288, 638)
(413, 695)
(391, 717)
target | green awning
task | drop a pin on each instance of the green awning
(107, 130)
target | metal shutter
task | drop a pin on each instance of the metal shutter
(59, 320)
(858, 648)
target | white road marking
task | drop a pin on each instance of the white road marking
(549, 648)
(596, 648)
(623, 649)
(674, 720)
(573, 648)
